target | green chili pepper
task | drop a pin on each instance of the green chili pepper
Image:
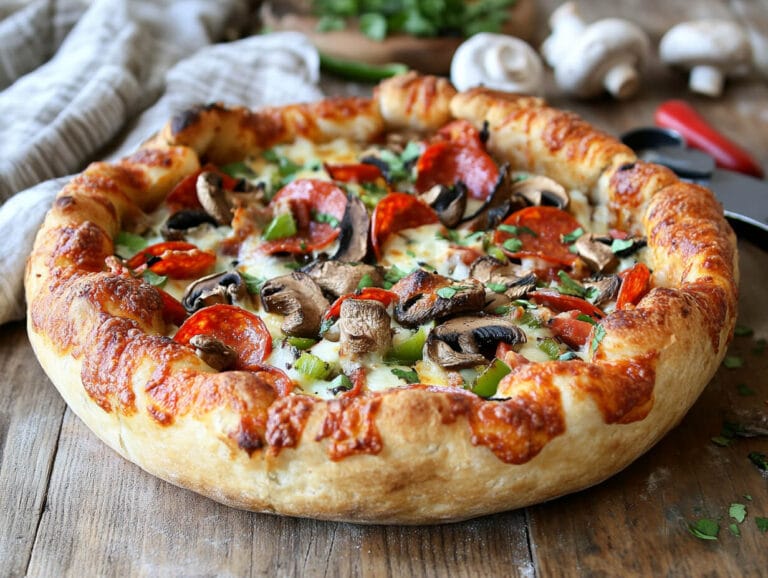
(312, 366)
(301, 342)
(409, 349)
(280, 227)
(487, 382)
(354, 70)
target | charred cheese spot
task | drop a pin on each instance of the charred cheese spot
(350, 425)
(286, 422)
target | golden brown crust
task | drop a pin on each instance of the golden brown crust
(410, 455)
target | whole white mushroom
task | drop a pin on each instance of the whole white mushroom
(498, 61)
(711, 49)
(590, 59)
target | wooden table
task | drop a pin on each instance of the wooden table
(70, 506)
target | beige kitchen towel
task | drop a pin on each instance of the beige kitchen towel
(119, 71)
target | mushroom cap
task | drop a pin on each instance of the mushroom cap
(603, 46)
(710, 42)
(497, 61)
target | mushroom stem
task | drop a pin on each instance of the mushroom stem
(622, 80)
(706, 79)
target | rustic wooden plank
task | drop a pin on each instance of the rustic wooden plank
(30, 416)
(638, 521)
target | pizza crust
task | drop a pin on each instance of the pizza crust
(428, 454)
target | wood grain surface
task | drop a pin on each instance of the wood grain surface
(69, 506)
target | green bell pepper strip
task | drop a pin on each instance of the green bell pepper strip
(487, 382)
(355, 70)
(409, 349)
(280, 227)
(312, 366)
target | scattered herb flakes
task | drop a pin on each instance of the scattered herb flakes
(408, 375)
(365, 281)
(325, 218)
(517, 230)
(598, 336)
(153, 278)
(572, 236)
(496, 287)
(529, 320)
(128, 244)
(502, 310)
(744, 390)
(748, 497)
(733, 362)
(513, 245)
(704, 529)
(722, 441)
(584, 317)
(743, 331)
(762, 524)
(734, 529)
(568, 286)
(760, 460)
(393, 275)
(446, 292)
(738, 512)
(619, 245)
(252, 283)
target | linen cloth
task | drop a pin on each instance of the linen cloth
(83, 81)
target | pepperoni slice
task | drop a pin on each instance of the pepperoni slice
(277, 378)
(446, 163)
(548, 225)
(562, 303)
(373, 293)
(396, 212)
(570, 330)
(354, 172)
(636, 282)
(173, 310)
(175, 259)
(184, 194)
(308, 200)
(241, 330)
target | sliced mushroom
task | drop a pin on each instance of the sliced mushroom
(213, 197)
(226, 287)
(490, 270)
(469, 341)
(300, 299)
(353, 237)
(607, 288)
(213, 351)
(540, 190)
(497, 206)
(423, 296)
(448, 202)
(180, 222)
(364, 326)
(339, 278)
(596, 252)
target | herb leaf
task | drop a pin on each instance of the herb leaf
(760, 460)
(572, 236)
(743, 331)
(446, 292)
(704, 529)
(597, 338)
(252, 283)
(733, 362)
(738, 512)
(128, 244)
(762, 524)
(408, 375)
(153, 278)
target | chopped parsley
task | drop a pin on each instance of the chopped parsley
(325, 218)
(743, 331)
(252, 283)
(446, 292)
(496, 287)
(153, 278)
(365, 281)
(619, 245)
(760, 460)
(407, 375)
(517, 230)
(128, 244)
(513, 245)
(587, 318)
(393, 275)
(734, 529)
(762, 524)
(572, 236)
(738, 512)
(598, 336)
(704, 529)
(569, 286)
(733, 362)
(528, 319)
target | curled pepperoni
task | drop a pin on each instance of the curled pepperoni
(310, 201)
(540, 234)
(175, 259)
(173, 310)
(241, 330)
(446, 163)
(636, 282)
(570, 330)
(354, 172)
(396, 212)
(373, 293)
(560, 302)
(184, 194)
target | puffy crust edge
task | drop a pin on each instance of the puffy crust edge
(432, 464)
